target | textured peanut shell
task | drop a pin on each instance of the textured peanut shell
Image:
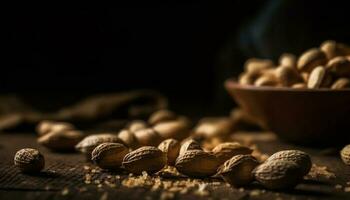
(29, 160)
(227, 150)
(345, 154)
(310, 59)
(238, 170)
(197, 163)
(171, 148)
(161, 116)
(89, 143)
(278, 174)
(189, 145)
(62, 140)
(147, 158)
(109, 155)
(301, 158)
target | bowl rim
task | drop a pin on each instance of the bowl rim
(233, 84)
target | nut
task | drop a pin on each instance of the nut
(345, 154)
(227, 150)
(341, 83)
(47, 126)
(177, 129)
(197, 163)
(249, 78)
(319, 77)
(147, 158)
(128, 138)
(109, 155)
(213, 127)
(301, 158)
(238, 170)
(288, 75)
(288, 60)
(171, 148)
(189, 145)
(29, 160)
(161, 116)
(278, 174)
(255, 65)
(267, 80)
(137, 125)
(340, 66)
(89, 143)
(147, 137)
(333, 49)
(310, 59)
(61, 140)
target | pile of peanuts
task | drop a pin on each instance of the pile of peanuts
(327, 66)
(167, 140)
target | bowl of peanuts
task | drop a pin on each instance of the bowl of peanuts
(304, 100)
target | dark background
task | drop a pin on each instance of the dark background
(57, 54)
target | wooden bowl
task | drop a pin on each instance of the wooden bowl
(317, 117)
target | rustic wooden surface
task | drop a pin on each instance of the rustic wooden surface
(63, 177)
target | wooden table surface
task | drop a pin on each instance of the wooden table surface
(63, 177)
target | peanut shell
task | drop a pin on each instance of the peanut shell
(89, 143)
(288, 60)
(109, 155)
(128, 138)
(345, 154)
(301, 158)
(148, 158)
(238, 170)
(340, 66)
(61, 141)
(310, 59)
(147, 137)
(288, 75)
(29, 160)
(189, 145)
(197, 163)
(177, 129)
(137, 125)
(171, 148)
(278, 174)
(161, 116)
(47, 126)
(341, 83)
(255, 65)
(319, 78)
(227, 150)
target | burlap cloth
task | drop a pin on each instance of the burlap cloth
(91, 112)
